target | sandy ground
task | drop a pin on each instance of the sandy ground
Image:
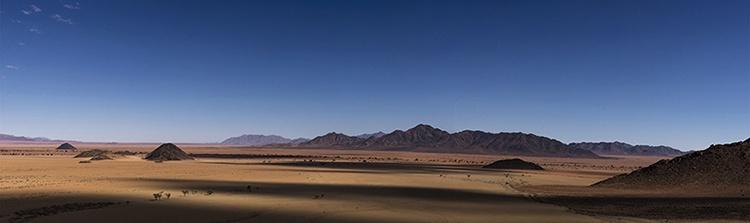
(313, 186)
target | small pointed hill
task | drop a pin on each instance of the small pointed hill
(624, 149)
(168, 151)
(425, 138)
(720, 168)
(513, 164)
(66, 147)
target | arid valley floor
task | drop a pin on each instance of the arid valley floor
(319, 185)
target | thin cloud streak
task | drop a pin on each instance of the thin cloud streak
(59, 18)
(74, 7)
(33, 9)
(11, 67)
(36, 9)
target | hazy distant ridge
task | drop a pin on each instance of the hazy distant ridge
(620, 148)
(259, 140)
(6, 137)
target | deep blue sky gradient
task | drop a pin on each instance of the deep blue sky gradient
(645, 72)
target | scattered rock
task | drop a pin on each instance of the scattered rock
(91, 153)
(102, 157)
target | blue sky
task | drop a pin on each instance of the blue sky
(675, 73)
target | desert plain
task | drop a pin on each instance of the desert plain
(261, 184)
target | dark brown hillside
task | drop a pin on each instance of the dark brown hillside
(724, 168)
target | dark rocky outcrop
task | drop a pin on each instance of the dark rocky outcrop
(513, 164)
(91, 153)
(104, 156)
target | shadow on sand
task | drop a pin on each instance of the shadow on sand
(369, 193)
(687, 208)
(377, 167)
(440, 199)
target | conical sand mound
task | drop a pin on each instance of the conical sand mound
(720, 168)
(168, 151)
(513, 164)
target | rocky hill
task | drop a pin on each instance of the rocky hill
(718, 168)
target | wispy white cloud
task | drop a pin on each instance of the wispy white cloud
(72, 6)
(35, 30)
(33, 9)
(59, 18)
(36, 9)
(16, 21)
(21, 44)
(8, 66)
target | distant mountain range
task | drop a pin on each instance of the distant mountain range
(260, 140)
(6, 137)
(425, 138)
(275, 140)
(620, 148)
